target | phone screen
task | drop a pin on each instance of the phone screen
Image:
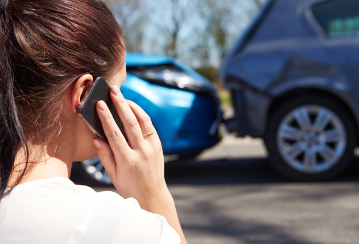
(97, 90)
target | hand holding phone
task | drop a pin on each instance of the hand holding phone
(135, 166)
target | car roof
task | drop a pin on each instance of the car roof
(278, 20)
(285, 19)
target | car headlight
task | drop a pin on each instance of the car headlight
(172, 76)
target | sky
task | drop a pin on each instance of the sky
(157, 16)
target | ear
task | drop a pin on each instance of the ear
(78, 89)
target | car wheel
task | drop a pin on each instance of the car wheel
(310, 139)
(189, 155)
(92, 172)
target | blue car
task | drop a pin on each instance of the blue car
(183, 105)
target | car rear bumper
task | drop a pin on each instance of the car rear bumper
(250, 113)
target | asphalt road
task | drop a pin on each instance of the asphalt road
(230, 194)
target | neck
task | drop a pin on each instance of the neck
(42, 164)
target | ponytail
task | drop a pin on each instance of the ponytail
(11, 132)
(40, 57)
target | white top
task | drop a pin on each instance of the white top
(57, 211)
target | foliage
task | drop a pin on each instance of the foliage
(210, 72)
(225, 97)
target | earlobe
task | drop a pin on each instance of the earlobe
(79, 89)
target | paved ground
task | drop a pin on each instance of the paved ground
(231, 195)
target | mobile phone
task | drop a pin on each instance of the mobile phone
(86, 110)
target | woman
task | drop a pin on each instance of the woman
(51, 51)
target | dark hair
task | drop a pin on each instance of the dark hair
(45, 45)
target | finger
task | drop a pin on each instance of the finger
(106, 156)
(129, 121)
(142, 117)
(146, 125)
(114, 135)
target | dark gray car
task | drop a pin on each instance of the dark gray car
(294, 79)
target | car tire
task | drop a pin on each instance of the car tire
(189, 155)
(90, 172)
(311, 138)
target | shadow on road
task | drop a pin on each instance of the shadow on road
(234, 171)
(245, 201)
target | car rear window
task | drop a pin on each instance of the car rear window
(338, 17)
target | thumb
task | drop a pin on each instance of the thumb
(106, 156)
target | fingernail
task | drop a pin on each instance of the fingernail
(101, 105)
(97, 143)
(115, 90)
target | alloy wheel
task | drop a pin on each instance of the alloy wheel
(311, 139)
